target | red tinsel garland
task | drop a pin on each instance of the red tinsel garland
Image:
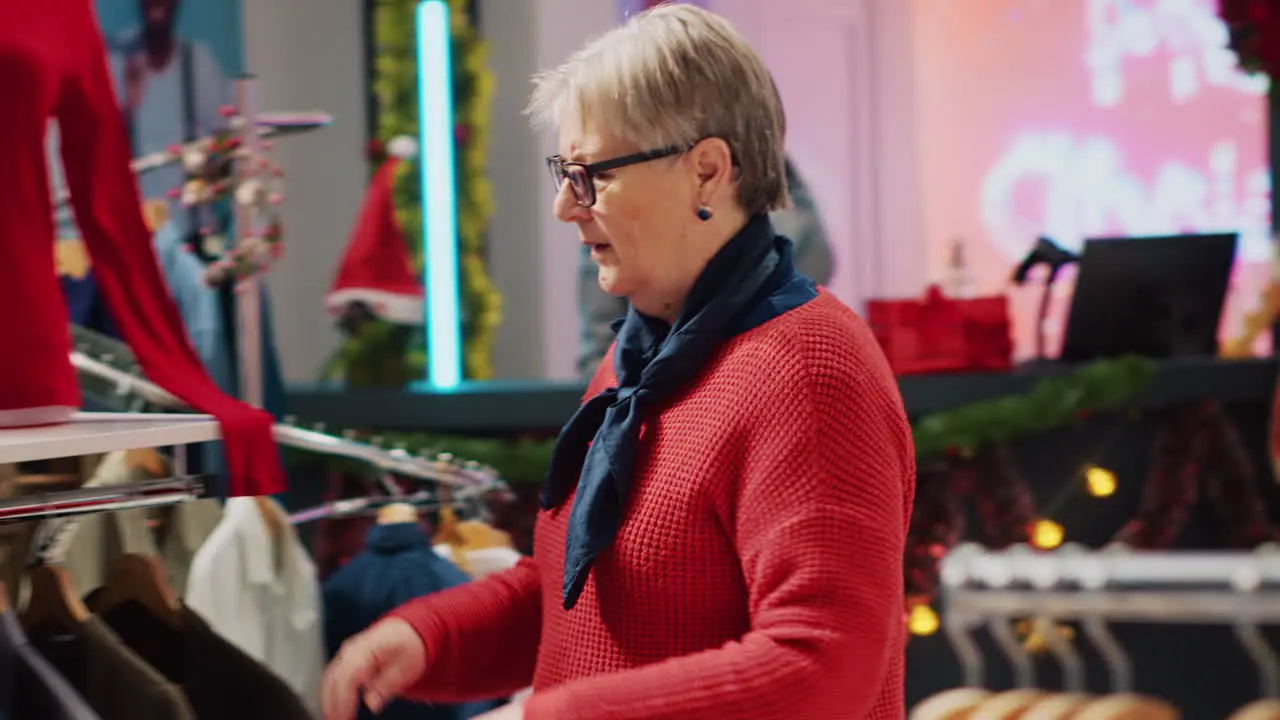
(937, 524)
(1231, 485)
(1172, 486)
(1254, 27)
(1005, 506)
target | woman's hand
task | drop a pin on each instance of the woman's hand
(377, 665)
(511, 711)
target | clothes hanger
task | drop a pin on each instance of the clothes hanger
(957, 703)
(5, 605)
(1011, 704)
(271, 517)
(1122, 703)
(1260, 652)
(1024, 667)
(54, 601)
(1066, 656)
(147, 461)
(1119, 667)
(1258, 710)
(1007, 705)
(447, 533)
(1127, 706)
(1059, 706)
(397, 514)
(954, 704)
(468, 535)
(140, 579)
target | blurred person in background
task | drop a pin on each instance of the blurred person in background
(171, 88)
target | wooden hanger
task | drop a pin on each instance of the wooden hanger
(397, 514)
(140, 579)
(54, 601)
(1258, 710)
(271, 517)
(954, 704)
(1007, 705)
(1059, 706)
(146, 461)
(5, 605)
(477, 535)
(447, 533)
(1127, 706)
(447, 528)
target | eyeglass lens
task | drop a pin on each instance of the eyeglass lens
(579, 181)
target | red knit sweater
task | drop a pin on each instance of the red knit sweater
(53, 64)
(758, 571)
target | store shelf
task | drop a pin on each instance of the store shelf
(91, 433)
(506, 407)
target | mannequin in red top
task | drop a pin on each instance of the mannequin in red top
(53, 64)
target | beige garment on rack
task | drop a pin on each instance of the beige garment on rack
(102, 537)
(15, 539)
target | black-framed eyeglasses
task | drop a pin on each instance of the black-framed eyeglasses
(580, 176)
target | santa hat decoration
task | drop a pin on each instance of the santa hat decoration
(376, 269)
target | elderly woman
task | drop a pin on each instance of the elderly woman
(724, 518)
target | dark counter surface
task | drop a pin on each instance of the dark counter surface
(505, 407)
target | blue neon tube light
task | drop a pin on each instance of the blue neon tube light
(439, 193)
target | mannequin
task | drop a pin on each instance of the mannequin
(53, 64)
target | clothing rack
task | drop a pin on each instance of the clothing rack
(442, 469)
(971, 565)
(154, 493)
(269, 126)
(993, 587)
(424, 500)
(248, 290)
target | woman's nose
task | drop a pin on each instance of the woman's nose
(566, 205)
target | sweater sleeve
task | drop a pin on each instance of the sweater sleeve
(819, 517)
(104, 196)
(481, 637)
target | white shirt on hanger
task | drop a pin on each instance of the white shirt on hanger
(261, 595)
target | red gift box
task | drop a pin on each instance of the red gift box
(939, 334)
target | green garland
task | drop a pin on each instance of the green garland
(1053, 403)
(473, 84)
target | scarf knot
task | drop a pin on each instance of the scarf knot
(750, 281)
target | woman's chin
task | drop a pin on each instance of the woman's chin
(611, 283)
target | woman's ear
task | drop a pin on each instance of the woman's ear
(713, 165)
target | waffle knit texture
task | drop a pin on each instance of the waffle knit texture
(758, 571)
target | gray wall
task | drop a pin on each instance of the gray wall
(318, 64)
(308, 55)
(534, 257)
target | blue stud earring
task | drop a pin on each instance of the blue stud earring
(704, 213)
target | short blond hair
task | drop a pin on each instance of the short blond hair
(670, 77)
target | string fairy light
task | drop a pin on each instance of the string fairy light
(1046, 534)
(1099, 481)
(922, 620)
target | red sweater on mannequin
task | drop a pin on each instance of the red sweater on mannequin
(757, 574)
(53, 64)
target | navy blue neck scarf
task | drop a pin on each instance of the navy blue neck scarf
(750, 281)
